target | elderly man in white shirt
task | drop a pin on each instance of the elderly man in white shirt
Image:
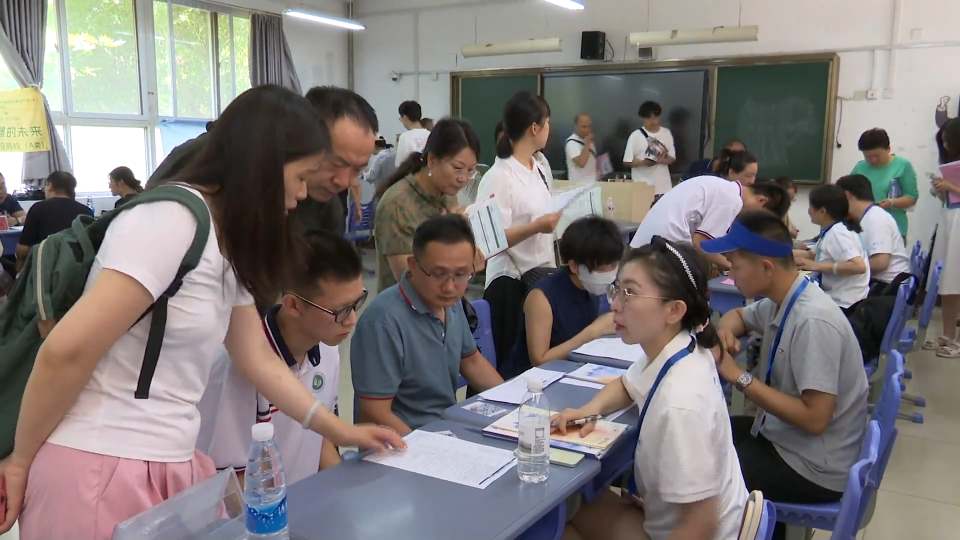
(580, 150)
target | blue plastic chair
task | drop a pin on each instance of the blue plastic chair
(842, 517)
(483, 335)
(916, 259)
(886, 414)
(363, 231)
(767, 522)
(929, 305)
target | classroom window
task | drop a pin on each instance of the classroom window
(98, 150)
(233, 38)
(103, 57)
(52, 83)
(11, 167)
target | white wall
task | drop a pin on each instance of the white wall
(424, 36)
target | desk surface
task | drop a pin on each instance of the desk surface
(626, 227)
(362, 500)
(717, 285)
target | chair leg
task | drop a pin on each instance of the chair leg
(916, 418)
(796, 532)
(914, 400)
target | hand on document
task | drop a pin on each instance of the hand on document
(570, 415)
(547, 223)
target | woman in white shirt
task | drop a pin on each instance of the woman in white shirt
(686, 468)
(840, 256)
(522, 189)
(95, 454)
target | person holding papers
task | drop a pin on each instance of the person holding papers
(522, 188)
(650, 151)
(881, 237)
(703, 208)
(840, 256)
(560, 313)
(685, 465)
(947, 246)
(581, 151)
(316, 313)
(892, 177)
(413, 342)
(415, 137)
(424, 186)
(810, 389)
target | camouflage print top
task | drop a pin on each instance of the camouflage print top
(403, 207)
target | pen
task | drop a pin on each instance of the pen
(580, 422)
(505, 465)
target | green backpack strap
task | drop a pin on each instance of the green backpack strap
(167, 192)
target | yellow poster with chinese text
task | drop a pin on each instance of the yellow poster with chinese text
(23, 122)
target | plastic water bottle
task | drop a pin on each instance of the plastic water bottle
(265, 488)
(610, 207)
(533, 441)
(90, 206)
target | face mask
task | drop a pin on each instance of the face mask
(596, 283)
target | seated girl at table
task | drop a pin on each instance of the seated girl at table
(560, 313)
(840, 256)
(685, 466)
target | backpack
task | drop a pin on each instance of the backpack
(869, 317)
(52, 280)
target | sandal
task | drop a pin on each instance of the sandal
(949, 352)
(939, 343)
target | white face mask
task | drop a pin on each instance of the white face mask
(596, 283)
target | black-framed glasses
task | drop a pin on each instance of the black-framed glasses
(341, 314)
(459, 279)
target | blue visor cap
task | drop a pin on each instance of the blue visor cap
(739, 237)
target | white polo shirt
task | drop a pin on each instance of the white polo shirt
(523, 195)
(838, 245)
(572, 149)
(686, 451)
(231, 405)
(705, 204)
(410, 142)
(638, 145)
(881, 235)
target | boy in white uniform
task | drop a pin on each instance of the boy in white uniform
(315, 315)
(650, 151)
(415, 138)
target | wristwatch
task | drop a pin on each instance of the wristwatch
(743, 381)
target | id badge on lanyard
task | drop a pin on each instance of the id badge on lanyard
(761, 414)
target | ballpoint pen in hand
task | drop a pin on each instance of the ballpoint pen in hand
(580, 422)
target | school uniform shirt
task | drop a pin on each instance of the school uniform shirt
(817, 351)
(648, 146)
(523, 195)
(106, 419)
(231, 405)
(881, 235)
(838, 245)
(50, 216)
(707, 205)
(899, 169)
(686, 451)
(410, 142)
(544, 164)
(573, 148)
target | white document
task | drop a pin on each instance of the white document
(613, 347)
(586, 204)
(578, 382)
(513, 390)
(560, 201)
(487, 225)
(448, 458)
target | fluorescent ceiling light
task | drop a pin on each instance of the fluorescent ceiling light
(471, 50)
(569, 4)
(718, 34)
(324, 19)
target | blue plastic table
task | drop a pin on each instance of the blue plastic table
(359, 500)
(724, 297)
(599, 360)
(617, 461)
(9, 239)
(627, 228)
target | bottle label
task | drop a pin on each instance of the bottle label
(267, 519)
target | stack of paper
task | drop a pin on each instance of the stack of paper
(487, 225)
(612, 347)
(587, 203)
(951, 173)
(597, 374)
(596, 444)
(448, 458)
(513, 390)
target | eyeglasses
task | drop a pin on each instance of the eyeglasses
(469, 174)
(616, 292)
(341, 314)
(459, 279)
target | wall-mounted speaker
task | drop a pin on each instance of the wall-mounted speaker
(593, 45)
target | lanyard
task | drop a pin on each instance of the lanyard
(783, 322)
(663, 371)
(869, 208)
(823, 236)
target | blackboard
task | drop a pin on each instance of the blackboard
(782, 111)
(480, 100)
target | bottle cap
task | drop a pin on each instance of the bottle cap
(262, 432)
(534, 385)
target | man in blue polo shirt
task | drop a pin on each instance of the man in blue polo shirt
(413, 341)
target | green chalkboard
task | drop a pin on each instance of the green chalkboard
(782, 112)
(480, 99)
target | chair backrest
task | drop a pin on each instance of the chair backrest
(211, 509)
(484, 333)
(768, 522)
(753, 517)
(886, 411)
(366, 217)
(916, 259)
(854, 501)
(930, 300)
(899, 317)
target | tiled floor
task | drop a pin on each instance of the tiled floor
(920, 495)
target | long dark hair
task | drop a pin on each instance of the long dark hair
(948, 141)
(448, 138)
(833, 199)
(241, 169)
(521, 111)
(669, 273)
(125, 176)
(731, 161)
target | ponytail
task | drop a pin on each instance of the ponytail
(734, 161)
(522, 110)
(853, 224)
(412, 165)
(504, 147)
